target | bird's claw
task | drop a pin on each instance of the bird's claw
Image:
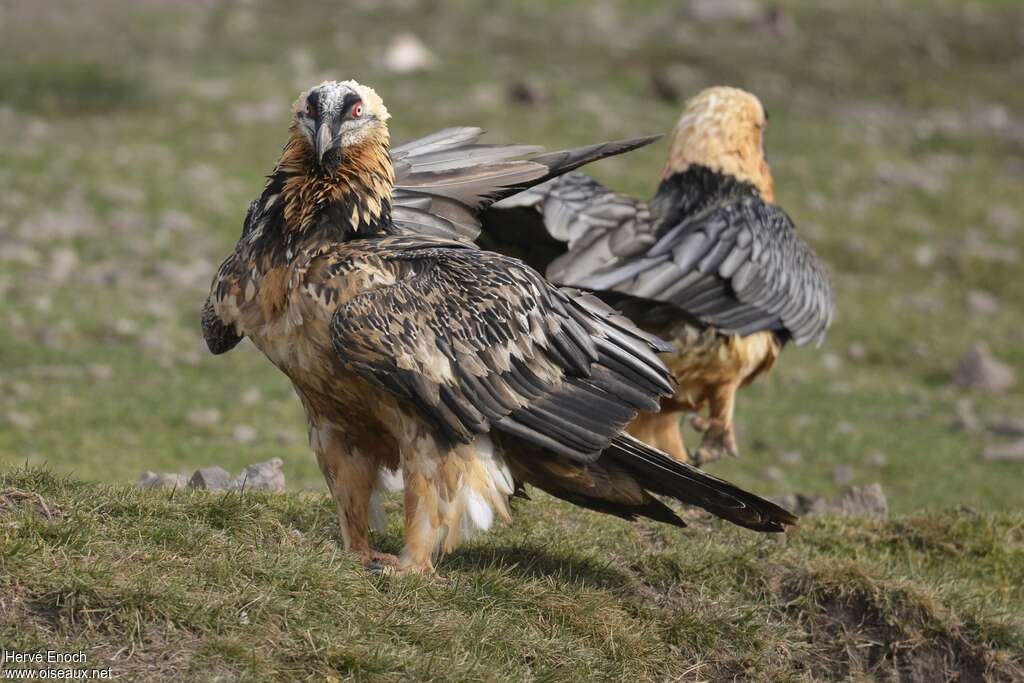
(719, 440)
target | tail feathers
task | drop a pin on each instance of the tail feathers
(659, 473)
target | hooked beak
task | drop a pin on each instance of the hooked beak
(324, 140)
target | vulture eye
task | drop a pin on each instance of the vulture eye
(310, 109)
(357, 110)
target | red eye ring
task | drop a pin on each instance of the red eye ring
(357, 110)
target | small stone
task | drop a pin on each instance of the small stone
(1007, 426)
(263, 476)
(210, 478)
(979, 370)
(20, 420)
(407, 54)
(725, 10)
(924, 256)
(126, 327)
(790, 457)
(981, 303)
(203, 418)
(876, 459)
(161, 480)
(528, 92)
(244, 434)
(773, 474)
(964, 419)
(842, 475)
(856, 352)
(861, 500)
(251, 396)
(1008, 451)
(101, 372)
(63, 262)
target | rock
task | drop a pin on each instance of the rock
(981, 303)
(790, 458)
(244, 434)
(842, 475)
(856, 352)
(725, 10)
(161, 480)
(211, 478)
(530, 93)
(1007, 451)
(924, 256)
(63, 262)
(857, 500)
(979, 370)
(101, 372)
(209, 417)
(407, 54)
(964, 419)
(1007, 426)
(860, 500)
(263, 476)
(773, 474)
(876, 459)
(251, 396)
(20, 420)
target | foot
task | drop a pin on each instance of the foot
(719, 440)
(379, 563)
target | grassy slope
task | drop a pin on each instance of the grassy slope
(894, 129)
(206, 585)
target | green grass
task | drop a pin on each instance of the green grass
(135, 135)
(254, 587)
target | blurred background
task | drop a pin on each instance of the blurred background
(133, 136)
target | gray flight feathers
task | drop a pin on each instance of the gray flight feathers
(707, 245)
(443, 181)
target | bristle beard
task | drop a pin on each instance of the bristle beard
(353, 188)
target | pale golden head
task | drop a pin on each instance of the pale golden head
(723, 128)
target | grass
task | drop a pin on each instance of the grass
(134, 137)
(199, 585)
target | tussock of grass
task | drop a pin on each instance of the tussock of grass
(254, 586)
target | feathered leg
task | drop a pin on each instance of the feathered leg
(351, 476)
(719, 435)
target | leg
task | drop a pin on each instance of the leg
(351, 476)
(449, 493)
(661, 430)
(719, 435)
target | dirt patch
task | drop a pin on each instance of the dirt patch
(15, 499)
(886, 634)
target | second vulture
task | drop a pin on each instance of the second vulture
(710, 262)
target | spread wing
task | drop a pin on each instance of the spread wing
(477, 340)
(443, 181)
(738, 265)
(592, 226)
